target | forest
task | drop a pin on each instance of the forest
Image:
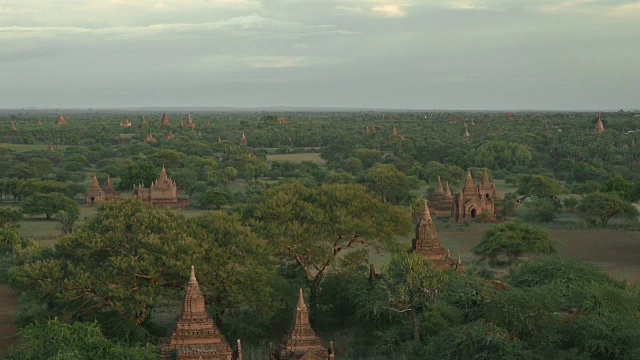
(326, 202)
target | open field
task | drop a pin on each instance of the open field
(313, 157)
(29, 147)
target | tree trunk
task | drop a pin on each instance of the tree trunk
(416, 328)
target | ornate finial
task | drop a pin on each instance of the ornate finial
(426, 215)
(301, 305)
(192, 278)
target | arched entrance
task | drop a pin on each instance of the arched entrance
(473, 213)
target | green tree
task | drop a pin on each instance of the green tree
(314, 227)
(57, 340)
(136, 174)
(387, 181)
(67, 220)
(9, 216)
(408, 283)
(48, 204)
(215, 197)
(603, 206)
(513, 239)
(539, 185)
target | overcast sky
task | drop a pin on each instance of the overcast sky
(416, 54)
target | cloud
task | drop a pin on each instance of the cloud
(390, 10)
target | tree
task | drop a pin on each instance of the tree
(215, 197)
(136, 174)
(388, 182)
(618, 185)
(316, 226)
(407, 283)
(67, 220)
(48, 204)
(9, 216)
(121, 262)
(603, 206)
(538, 185)
(513, 239)
(57, 340)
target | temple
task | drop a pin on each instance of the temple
(195, 336)
(13, 126)
(303, 343)
(51, 147)
(466, 136)
(61, 120)
(165, 119)
(426, 243)
(243, 140)
(599, 126)
(469, 203)
(163, 191)
(150, 139)
(126, 123)
(97, 195)
(190, 123)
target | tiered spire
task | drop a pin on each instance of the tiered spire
(51, 147)
(439, 189)
(302, 340)
(165, 119)
(150, 138)
(61, 120)
(599, 126)
(13, 126)
(447, 190)
(195, 332)
(94, 183)
(243, 140)
(190, 122)
(426, 242)
(469, 185)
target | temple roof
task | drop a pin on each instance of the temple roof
(94, 184)
(302, 339)
(439, 189)
(447, 190)
(194, 331)
(469, 185)
(599, 125)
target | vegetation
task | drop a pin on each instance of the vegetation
(310, 203)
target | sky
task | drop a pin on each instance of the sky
(400, 54)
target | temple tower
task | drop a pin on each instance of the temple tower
(302, 342)
(426, 241)
(195, 336)
(599, 126)
(165, 119)
(95, 192)
(61, 120)
(243, 140)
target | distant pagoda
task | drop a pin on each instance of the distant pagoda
(61, 120)
(599, 129)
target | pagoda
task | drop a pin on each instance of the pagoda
(195, 336)
(13, 126)
(427, 245)
(243, 140)
(126, 123)
(51, 147)
(95, 192)
(169, 135)
(109, 192)
(61, 120)
(466, 136)
(163, 191)
(599, 126)
(150, 139)
(190, 123)
(303, 343)
(165, 119)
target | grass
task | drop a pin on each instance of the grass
(313, 157)
(30, 147)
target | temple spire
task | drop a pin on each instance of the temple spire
(301, 305)
(469, 185)
(426, 215)
(439, 189)
(192, 277)
(447, 190)
(485, 178)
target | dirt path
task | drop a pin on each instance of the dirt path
(8, 307)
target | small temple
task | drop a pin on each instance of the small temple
(13, 126)
(599, 125)
(427, 245)
(150, 139)
(190, 123)
(466, 136)
(169, 135)
(162, 192)
(303, 343)
(195, 336)
(126, 123)
(61, 120)
(97, 195)
(243, 140)
(51, 147)
(469, 203)
(165, 119)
